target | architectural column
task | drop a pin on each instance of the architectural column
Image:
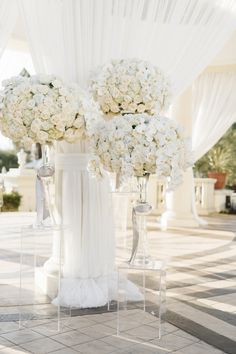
(179, 204)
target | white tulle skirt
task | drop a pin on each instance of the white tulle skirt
(93, 292)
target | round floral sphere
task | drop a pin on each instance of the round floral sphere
(137, 144)
(130, 86)
(41, 109)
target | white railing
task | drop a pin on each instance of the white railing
(208, 200)
(204, 195)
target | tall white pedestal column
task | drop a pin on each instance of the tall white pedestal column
(180, 210)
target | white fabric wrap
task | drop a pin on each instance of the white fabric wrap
(85, 207)
(72, 162)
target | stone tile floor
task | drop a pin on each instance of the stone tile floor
(201, 293)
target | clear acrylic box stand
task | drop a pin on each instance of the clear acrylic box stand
(38, 287)
(141, 313)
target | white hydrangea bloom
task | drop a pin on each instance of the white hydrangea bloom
(130, 86)
(42, 109)
(137, 144)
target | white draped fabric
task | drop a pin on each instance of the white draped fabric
(70, 38)
(8, 17)
(214, 109)
(86, 210)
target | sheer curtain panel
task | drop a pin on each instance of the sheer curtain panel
(214, 109)
(8, 17)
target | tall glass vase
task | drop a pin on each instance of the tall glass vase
(140, 248)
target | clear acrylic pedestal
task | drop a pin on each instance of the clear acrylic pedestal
(141, 319)
(38, 287)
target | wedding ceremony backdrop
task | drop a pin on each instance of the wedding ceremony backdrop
(72, 40)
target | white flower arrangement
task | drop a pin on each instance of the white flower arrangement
(135, 145)
(130, 86)
(43, 109)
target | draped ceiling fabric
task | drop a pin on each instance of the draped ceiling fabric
(71, 38)
(8, 17)
(214, 109)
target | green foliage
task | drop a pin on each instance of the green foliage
(221, 158)
(8, 159)
(11, 201)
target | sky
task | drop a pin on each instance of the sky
(11, 64)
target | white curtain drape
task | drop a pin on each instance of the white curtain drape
(214, 109)
(71, 38)
(8, 17)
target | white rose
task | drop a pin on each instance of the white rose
(27, 143)
(46, 125)
(60, 126)
(141, 108)
(44, 79)
(132, 107)
(56, 118)
(35, 125)
(69, 135)
(105, 108)
(43, 89)
(123, 88)
(55, 134)
(45, 114)
(57, 83)
(27, 119)
(114, 108)
(38, 98)
(79, 122)
(31, 104)
(94, 168)
(42, 137)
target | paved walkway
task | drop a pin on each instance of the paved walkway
(201, 281)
